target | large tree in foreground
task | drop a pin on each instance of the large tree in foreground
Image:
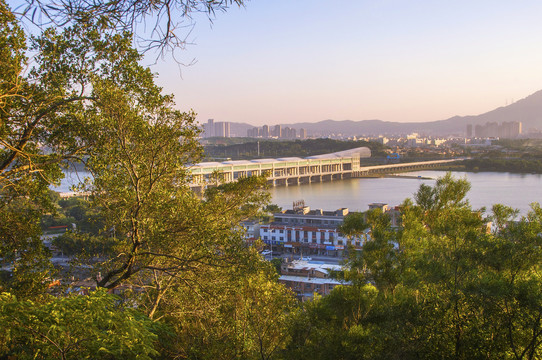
(180, 259)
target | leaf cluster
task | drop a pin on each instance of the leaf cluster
(446, 285)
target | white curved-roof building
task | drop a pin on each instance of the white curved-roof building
(283, 170)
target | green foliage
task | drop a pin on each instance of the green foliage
(85, 245)
(47, 114)
(277, 263)
(235, 313)
(22, 251)
(510, 155)
(75, 327)
(334, 327)
(354, 224)
(298, 148)
(78, 211)
(272, 209)
(445, 286)
(515, 165)
(85, 98)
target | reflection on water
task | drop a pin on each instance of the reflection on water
(71, 178)
(515, 190)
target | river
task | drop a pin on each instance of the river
(487, 188)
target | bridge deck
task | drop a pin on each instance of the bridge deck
(294, 170)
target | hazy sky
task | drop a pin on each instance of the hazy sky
(283, 61)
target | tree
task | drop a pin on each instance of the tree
(354, 224)
(47, 116)
(335, 326)
(444, 285)
(170, 21)
(24, 171)
(272, 208)
(74, 327)
(86, 98)
(229, 313)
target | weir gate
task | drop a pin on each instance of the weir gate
(294, 170)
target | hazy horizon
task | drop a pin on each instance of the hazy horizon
(309, 61)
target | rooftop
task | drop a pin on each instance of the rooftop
(313, 280)
(360, 151)
(305, 265)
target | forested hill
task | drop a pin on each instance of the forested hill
(277, 149)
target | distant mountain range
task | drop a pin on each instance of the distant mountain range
(528, 111)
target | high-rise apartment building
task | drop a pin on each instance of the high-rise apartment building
(254, 132)
(288, 133)
(265, 131)
(277, 131)
(227, 129)
(505, 130)
(209, 128)
(212, 128)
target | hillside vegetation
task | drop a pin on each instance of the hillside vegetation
(284, 148)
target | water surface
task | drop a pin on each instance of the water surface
(487, 188)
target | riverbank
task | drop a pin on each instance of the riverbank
(396, 176)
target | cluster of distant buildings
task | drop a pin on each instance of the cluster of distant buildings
(277, 132)
(216, 129)
(504, 130)
(411, 140)
(223, 129)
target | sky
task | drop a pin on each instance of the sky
(288, 61)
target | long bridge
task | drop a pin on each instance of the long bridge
(294, 170)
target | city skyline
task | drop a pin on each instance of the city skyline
(307, 61)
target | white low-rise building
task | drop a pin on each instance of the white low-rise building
(308, 232)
